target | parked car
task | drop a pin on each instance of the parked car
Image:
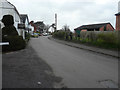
(35, 35)
(45, 34)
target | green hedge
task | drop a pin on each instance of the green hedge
(15, 43)
(59, 34)
(10, 34)
(8, 20)
(27, 36)
(104, 39)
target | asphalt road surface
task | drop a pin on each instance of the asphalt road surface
(24, 69)
(78, 68)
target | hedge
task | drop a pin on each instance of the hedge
(8, 20)
(15, 43)
(104, 39)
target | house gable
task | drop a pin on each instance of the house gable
(24, 18)
(96, 27)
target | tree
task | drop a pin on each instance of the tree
(66, 28)
(47, 28)
(67, 31)
(9, 29)
(10, 34)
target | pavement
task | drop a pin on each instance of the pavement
(112, 53)
(24, 69)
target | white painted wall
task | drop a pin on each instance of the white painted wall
(32, 29)
(26, 23)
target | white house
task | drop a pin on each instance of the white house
(31, 28)
(24, 20)
(8, 8)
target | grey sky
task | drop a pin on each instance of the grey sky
(74, 13)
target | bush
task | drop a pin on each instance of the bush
(9, 31)
(8, 20)
(27, 36)
(83, 35)
(10, 34)
(109, 37)
(59, 34)
(15, 43)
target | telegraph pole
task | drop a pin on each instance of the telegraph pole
(55, 22)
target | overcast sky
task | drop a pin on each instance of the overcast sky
(74, 13)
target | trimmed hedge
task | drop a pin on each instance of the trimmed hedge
(8, 20)
(9, 31)
(10, 34)
(15, 43)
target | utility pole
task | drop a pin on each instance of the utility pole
(55, 22)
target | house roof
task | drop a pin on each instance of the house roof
(92, 26)
(23, 18)
(117, 14)
(39, 22)
(2, 3)
(14, 7)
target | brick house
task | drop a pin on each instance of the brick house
(95, 27)
(40, 26)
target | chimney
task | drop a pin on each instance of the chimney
(118, 17)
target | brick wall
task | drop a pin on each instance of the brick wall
(118, 22)
(109, 28)
(101, 29)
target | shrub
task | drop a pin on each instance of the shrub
(108, 37)
(9, 31)
(27, 36)
(83, 35)
(59, 34)
(15, 43)
(103, 39)
(8, 20)
(10, 34)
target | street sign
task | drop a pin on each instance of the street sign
(21, 26)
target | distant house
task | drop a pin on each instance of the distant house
(95, 27)
(33, 26)
(24, 20)
(6, 8)
(31, 29)
(40, 26)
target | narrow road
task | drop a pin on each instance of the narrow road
(24, 69)
(78, 68)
